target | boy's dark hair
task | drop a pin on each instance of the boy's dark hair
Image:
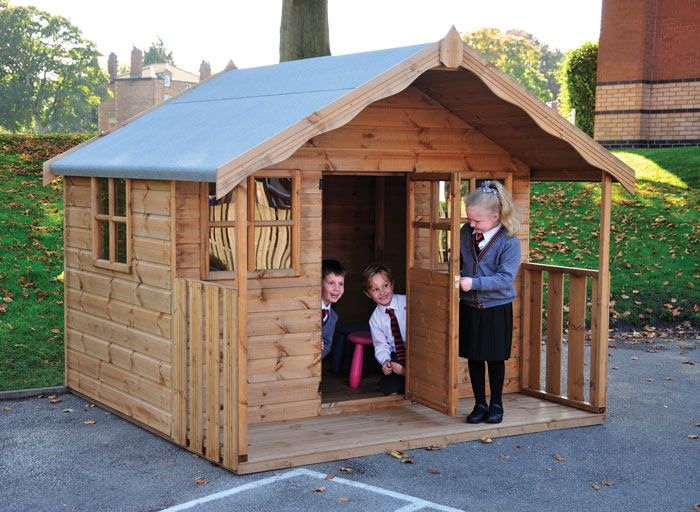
(371, 271)
(332, 267)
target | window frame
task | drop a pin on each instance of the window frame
(216, 275)
(112, 219)
(294, 222)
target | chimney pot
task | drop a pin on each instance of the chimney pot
(204, 71)
(136, 63)
(113, 66)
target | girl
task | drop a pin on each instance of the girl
(490, 257)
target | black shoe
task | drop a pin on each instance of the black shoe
(495, 414)
(478, 414)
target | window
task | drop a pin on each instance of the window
(111, 229)
(167, 80)
(273, 223)
(271, 228)
(222, 234)
(166, 97)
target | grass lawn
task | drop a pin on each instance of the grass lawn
(654, 252)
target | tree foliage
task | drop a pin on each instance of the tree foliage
(520, 55)
(304, 30)
(157, 53)
(578, 78)
(50, 78)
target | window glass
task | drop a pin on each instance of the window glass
(444, 194)
(120, 197)
(222, 210)
(103, 201)
(103, 239)
(273, 247)
(120, 255)
(273, 198)
(222, 243)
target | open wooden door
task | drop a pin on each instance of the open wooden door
(432, 289)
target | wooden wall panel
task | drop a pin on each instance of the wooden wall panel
(118, 324)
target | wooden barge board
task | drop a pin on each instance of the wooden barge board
(290, 443)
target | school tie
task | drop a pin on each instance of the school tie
(478, 237)
(324, 317)
(396, 332)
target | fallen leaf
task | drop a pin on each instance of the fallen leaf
(68, 410)
(558, 457)
(89, 405)
(548, 469)
(348, 470)
(6, 409)
(51, 396)
(433, 472)
(516, 447)
(320, 489)
(609, 484)
(200, 480)
(692, 436)
(505, 456)
(634, 358)
(55, 331)
(433, 447)
(670, 378)
(408, 461)
(486, 439)
(344, 500)
(394, 454)
(596, 487)
(403, 453)
(696, 506)
(329, 477)
(89, 422)
(649, 380)
(56, 400)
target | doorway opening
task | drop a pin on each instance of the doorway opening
(364, 221)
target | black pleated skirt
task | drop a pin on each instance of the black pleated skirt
(485, 334)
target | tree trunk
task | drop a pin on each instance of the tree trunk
(304, 29)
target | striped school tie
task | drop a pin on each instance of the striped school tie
(478, 237)
(396, 332)
(324, 318)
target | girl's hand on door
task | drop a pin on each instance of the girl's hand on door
(465, 284)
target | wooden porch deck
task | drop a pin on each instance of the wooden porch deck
(291, 443)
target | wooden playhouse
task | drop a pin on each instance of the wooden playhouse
(194, 236)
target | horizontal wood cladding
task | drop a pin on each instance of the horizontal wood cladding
(284, 326)
(118, 324)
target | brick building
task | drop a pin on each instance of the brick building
(648, 83)
(142, 87)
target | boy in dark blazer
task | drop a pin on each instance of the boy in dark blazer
(332, 289)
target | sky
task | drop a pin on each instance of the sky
(247, 31)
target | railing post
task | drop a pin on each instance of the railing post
(555, 326)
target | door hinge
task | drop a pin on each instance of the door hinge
(457, 281)
(320, 184)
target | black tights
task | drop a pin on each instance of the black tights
(497, 374)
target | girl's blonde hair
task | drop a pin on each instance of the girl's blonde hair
(493, 197)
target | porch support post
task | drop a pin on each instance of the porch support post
(599, 356)
(242, 317)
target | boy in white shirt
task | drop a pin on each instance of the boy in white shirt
(388, 327)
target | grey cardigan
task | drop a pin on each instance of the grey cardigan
(492, 272)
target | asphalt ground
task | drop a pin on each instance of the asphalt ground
(646, 456)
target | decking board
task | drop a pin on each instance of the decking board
(327, 438)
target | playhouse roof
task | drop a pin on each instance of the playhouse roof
(243, 120)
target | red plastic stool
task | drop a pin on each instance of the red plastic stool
(360, 339)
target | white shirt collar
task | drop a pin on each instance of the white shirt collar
(488, 235)
(325, 306)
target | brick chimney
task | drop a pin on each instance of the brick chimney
(136, 63)
(204, 71)
(112, 66)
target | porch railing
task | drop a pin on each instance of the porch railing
(532, 328)
(207, 398)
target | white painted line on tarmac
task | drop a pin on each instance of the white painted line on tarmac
(234, 490)
(414, 503)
